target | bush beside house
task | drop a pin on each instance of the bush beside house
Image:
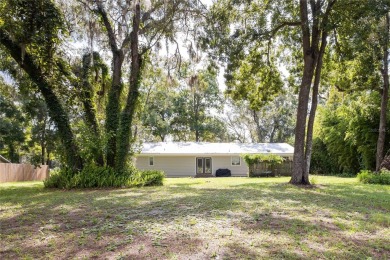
(262, 165)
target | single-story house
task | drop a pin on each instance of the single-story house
(184, 159)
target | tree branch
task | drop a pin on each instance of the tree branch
(274, 31)
(271, 33)
(56, 110)
(110, 31)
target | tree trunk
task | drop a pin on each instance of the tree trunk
(43, 141)
(112, 109)
(43, 153)
(48, 158)
(12, 155)
(196, 122)
(311, 53)
(314, 103)
(258, 127)
(299, 162)
(385, 97)
(56, 110)
(89, 109)
(127, 114)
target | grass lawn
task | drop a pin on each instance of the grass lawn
(221, 218)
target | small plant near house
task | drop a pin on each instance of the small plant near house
(147, 178)
(382, 177)
(253, 160)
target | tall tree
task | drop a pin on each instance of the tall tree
(149, 23)
(12, 125)
(380, 147)
(30, 33)
(195, 105)
(362, 54)
(314, 40)
(256, 26)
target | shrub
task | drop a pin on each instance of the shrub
(383, 177)
(148, 178)
(252, 160)
(323, 162)
(59, 178)
(93, 176)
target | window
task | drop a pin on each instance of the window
(236, 160)
(151, 161)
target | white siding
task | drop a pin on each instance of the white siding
(173, 166)
(184, 166)
(224, 162)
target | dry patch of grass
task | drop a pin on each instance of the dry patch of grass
(221, 218)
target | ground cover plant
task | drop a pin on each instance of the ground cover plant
(382, 177)
(221, 218)
(103, 177)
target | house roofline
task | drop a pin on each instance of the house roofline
(208, 154)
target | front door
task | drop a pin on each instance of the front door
(203, 165)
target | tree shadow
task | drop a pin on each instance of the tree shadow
(77, 218)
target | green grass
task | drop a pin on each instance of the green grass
(214, 218)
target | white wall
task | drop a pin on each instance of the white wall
(184, 166)
(224, 162)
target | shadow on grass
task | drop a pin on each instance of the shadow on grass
(84, 221)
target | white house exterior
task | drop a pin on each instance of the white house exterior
(184, 159)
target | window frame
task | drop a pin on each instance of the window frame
(231, 161)
(151, 157)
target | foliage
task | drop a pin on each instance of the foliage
(194, 105)
(92, 176)
(31, 34)
(272, 123)
(40, 135)
(185, 110)
(12, 125)
(252, 159)
(34, 35)
(235, 33)
(157, 94)
(147, 178)
(322, 161)
(382, 177)
(346, 126)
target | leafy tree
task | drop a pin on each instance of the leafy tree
(194, 106)
(346, 130)
(32, 33)
(12, 124)
(187, 112)
(37, 133)
(158, 94)
(362, 56)
(255, 25)
(272, 123)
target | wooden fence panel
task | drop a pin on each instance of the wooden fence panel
(42, 173)
(12, 172)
